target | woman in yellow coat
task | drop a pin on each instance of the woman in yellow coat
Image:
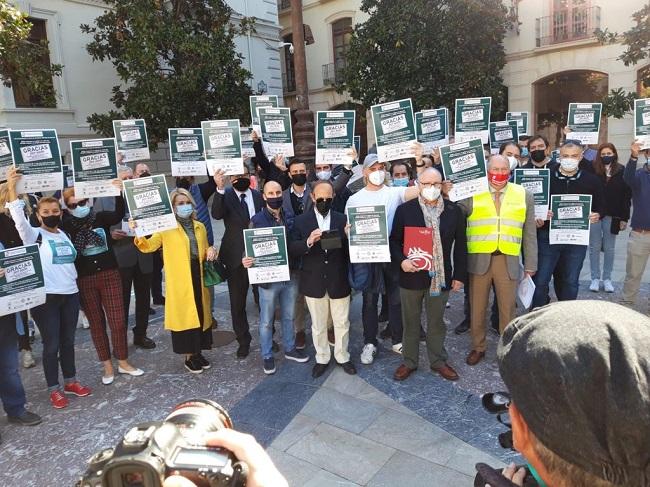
(185, 248)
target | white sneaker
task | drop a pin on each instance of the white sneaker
(27, 359)
(609, 287)
(84, 321)
(595, 285)
(368, 353)
(397, 348)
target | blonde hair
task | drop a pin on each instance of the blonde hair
(183, 192)
(4, 198)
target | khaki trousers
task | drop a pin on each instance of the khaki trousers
(320, 310)
(479, 291)
(638, 250)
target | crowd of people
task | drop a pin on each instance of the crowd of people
(482, 245)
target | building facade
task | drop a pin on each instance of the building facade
(552, 58)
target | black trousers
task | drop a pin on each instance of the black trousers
(238, 291)
(156, 277)
(142, 286)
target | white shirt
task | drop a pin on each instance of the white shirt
(388, 196)
(323, 221)
(296, 193)
(249, 199)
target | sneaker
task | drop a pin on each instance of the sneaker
(269, 366)
(27, 359)
(368, 353)
(397, 348)
(75, 388)
(202, 361)
(144, 342)
(58, 400)
(193, 365)
(26, 419)
(297, 356)
(594, 286)
(609, 287)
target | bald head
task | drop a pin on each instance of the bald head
(430, 176)
(141, 169)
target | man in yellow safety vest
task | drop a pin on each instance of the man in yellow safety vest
(500, 231)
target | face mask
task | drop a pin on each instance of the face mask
(324, 175)
(241, 184)
(569, 165)
(274, 203)
(513, 162)
(145, 174)
(80, 211)
(524, 152)
(51, 221)
(607, 160)
(299, 179)
(324, 205)
(183, 183)
(538, 155)
(185, 210)
(400, 181)
(498, 179)
(430, 193)
(377, 177)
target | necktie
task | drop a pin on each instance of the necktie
(497, 202)
(244, 205)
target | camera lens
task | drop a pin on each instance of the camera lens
(199, 416)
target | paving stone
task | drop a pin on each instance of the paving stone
(295, 430)
(407, 470)
(466, 457)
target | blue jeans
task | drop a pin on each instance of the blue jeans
(286, 292)
(601, 238)
(567, 259)
(11, 387)
(57, 321)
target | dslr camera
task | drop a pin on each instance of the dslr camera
(150, 452)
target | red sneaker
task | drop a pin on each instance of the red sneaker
(77, 389)
(58, 400)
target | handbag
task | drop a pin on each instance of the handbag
(214, 273)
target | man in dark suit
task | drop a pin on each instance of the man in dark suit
(236, 206)
(319, 238)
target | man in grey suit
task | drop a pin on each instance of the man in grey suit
(501, 230)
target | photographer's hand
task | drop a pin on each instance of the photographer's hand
(511, 473)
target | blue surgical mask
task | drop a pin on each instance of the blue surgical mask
(184, 211)
(324, 175)
(524, 152)
(80, 211)
(400, 181)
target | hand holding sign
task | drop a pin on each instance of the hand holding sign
(248, 262)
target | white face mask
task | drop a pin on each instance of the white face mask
(430, 193)
(513, 162)
(569, 165)
(324, 175)
(377, 177)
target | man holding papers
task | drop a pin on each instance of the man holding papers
(500, 230)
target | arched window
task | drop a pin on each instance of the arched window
(289, 74)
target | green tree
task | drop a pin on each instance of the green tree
(21, 59)
(637, 48)
(434, 51)
(176, 61)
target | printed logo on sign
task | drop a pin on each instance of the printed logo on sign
(369, 225)
(274, 126)
(463, 162)
(645, 116)
(394, 124)
(568, 212)
(33, 153)
(420, 258)
(475, 115)
(268, 247)
(333, 131)
(187, 145)
(130, 135)
(502, 134)
(19, 271)
(582, 118)
(4, 149)
(223, 139)
(94, 161)
(432, 126)
(147, 198)
(535, 187)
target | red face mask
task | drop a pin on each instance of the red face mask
(495, 178)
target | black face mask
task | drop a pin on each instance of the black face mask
(274, 203)
(51, 221)
(299, 179)
(538, 155)
(607, 160)
(183, 183)
(324, 205)
(144, 174)
(241, 184)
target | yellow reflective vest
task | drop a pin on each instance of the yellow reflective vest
(488, 232)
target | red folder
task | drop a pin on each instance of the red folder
(418, 246)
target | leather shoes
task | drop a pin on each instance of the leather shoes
(318, 370)
(243, 350)
(144, 342)
(402, 372)
(474, 357)
(446, 372)
(349, 368)
(462, 328)
(26, 419)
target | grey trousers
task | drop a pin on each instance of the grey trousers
(434, 307)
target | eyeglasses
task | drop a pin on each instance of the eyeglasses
(428, 185)
(72, 206)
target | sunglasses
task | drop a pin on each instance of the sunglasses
(72, 206)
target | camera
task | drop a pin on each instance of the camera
(150, 452)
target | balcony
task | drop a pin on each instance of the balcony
(288, 82)
(578, 23)
(333, 73)
(284, 5)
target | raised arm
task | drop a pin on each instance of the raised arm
(28, 234)
(629, 175)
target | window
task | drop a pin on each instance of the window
(341, 36)
(643, 82)
(22, 95)
(289, 66)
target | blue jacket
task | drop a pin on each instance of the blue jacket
(639, 181)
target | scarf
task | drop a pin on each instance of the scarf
(432, 221)
(82, 233)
